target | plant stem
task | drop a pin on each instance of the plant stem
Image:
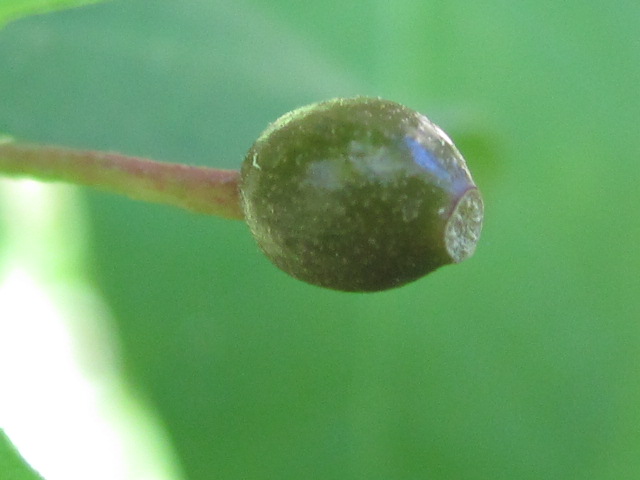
(199, 189)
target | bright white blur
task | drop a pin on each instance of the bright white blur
(63, 402)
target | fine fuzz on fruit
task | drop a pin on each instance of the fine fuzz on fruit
(359, 194)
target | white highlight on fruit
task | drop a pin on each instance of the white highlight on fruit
(254, 161)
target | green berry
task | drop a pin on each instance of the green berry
(359, 194)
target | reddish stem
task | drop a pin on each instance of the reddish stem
(199, 189)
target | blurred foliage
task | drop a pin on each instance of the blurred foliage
(522, 362)
(13, 9)
(11, 465)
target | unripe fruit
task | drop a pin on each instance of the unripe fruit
(359, 194)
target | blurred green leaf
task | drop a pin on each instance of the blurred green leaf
(521, 362)
(12, 466)
(13, 9)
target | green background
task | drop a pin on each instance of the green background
(521, 363)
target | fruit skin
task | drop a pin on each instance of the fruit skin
(354, 194)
